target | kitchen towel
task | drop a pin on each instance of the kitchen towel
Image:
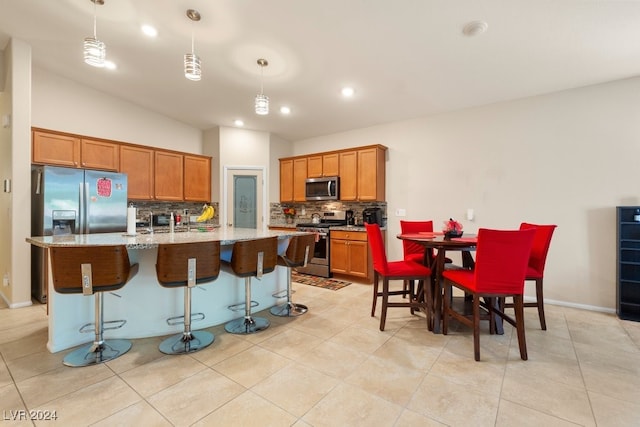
(131, 221)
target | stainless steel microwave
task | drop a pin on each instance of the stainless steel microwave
(327, 188)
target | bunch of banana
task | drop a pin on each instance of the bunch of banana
(207, 213)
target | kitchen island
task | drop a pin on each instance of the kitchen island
(142, 301)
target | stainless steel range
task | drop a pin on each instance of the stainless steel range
(319, 265)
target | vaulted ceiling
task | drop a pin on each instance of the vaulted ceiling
(404, 58)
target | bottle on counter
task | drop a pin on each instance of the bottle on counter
(172, 223)
(636, 215)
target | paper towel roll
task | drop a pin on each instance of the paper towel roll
(131, 221)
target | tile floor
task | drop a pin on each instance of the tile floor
(333, 367)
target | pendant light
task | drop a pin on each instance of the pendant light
(262, 100)
(192, 69)
(95, 51)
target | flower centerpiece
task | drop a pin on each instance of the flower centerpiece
(452, 228)
(289, 213)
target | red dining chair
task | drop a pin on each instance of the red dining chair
(395, 270)
(501, 264)
(537, 260)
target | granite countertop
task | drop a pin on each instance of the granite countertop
(226, 236)
(334, 228)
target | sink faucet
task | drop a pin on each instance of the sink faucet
(150, 222)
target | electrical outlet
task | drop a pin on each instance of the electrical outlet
(5, 279)
(470, 214)
(401, 212)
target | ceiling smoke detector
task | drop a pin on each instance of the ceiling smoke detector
(474, 28)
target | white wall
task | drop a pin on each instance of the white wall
(64, 105)
(567, 158)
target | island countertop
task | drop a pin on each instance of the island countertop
(225, 235)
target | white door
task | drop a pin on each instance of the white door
(244, 188)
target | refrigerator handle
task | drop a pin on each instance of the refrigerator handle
(39, 182)
(84, 215)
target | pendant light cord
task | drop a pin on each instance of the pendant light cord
(95, 12)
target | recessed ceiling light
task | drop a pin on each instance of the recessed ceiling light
(348, 92)
(285, 110)
(238, 122)
(148, 30)
(110, 65)
(474, 28)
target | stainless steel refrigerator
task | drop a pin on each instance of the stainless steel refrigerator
(72, 201)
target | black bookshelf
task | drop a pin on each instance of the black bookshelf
(628, 263)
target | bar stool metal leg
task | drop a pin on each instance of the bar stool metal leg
(289, 308)
(99, 350)
(188, 341)
(247, 324)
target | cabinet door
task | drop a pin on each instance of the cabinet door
(371, 174)
(348, 175)
(299, 179)
(137, 163)
(197, 178)
(358, 258)
(168, 176)
(330, 164)
(54, 149)
(339, 256)
(286, 180)
(314, 167)
(100, 155)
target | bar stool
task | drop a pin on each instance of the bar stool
(187, 265)
(93, 270)
(297, 255)
(251, 258)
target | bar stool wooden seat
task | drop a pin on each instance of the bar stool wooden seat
(297, 255)
(187, 265)
(93, 271)
(251, 258)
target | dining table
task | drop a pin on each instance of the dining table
(441, 243)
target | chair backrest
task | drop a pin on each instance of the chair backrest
(410, 247)
(244, 257)
(173, 259)
(378, 253)
(297, 250)
(501, 260)
(541, 243)
(110, 268)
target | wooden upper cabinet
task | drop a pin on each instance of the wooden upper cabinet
(286, 180)
(55, 149)
(197, 178)
(99, 155)
(323, 165)
(349, 175)
(371, 174)
(314, 166)
(137, 163)
(330, 164)
(299, 179)
(168, 176)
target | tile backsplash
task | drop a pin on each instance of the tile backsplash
(277, 216)
(194, 208)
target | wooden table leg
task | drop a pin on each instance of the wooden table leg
(437, 291)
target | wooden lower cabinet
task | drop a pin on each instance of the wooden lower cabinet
(350, 254)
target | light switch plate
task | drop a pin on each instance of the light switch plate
(401, 212)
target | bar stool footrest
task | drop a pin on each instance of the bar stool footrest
(178, 320)
(241, 306)
(90, 327)
(95, 353)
